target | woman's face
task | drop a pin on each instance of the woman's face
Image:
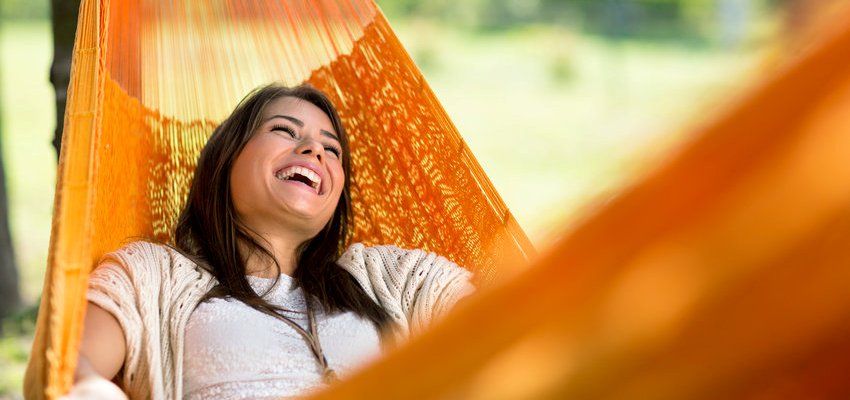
(289, 177)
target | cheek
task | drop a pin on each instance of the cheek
(237, 176)
(237, 191)
(241, 180)
(339, 176)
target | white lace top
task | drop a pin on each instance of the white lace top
(235, 352)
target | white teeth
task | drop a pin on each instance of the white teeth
(287, 173)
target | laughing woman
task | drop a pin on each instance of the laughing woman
(258, 298)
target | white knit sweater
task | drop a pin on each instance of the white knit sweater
(152, 289)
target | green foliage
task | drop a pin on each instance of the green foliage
(20, 323)
(15, 342)
(25, 9)
(688, 21)
(14, 352)
(461, 13)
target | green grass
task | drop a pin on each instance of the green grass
(14, 351)
(15, 345)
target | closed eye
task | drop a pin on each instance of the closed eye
(335, 150)
(284, 128)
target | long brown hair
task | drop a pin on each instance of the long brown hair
(209, 231)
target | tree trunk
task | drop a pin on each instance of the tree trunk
(10, 296)
(64, 16)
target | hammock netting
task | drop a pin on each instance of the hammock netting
(721, 274)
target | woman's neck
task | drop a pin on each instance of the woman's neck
(258, 263)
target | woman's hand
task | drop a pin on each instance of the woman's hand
(95, 387)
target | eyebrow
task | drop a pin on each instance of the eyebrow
(300, 124)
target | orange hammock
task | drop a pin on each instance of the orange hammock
(723, 274)
(150, 80)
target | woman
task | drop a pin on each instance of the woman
(255, 300)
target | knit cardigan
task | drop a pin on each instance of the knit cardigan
(152, 289)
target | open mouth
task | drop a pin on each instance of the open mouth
(300, 174)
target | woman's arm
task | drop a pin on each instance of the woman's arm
(102, 347)
(101, 356)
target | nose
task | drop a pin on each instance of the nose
(311, 147)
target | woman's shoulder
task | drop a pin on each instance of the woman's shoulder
(358, 253)
(140, 251)
(146, 257)
(139, 248)
(147, 274)
(413, 285)
(390, 258)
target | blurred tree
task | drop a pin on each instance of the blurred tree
(691, 21)
(10, 296)
(64, 17)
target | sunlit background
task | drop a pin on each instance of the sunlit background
(562, 101)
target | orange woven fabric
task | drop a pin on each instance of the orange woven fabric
(152, 78)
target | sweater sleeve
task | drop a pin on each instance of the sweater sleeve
(125, 284)
(414, 286)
